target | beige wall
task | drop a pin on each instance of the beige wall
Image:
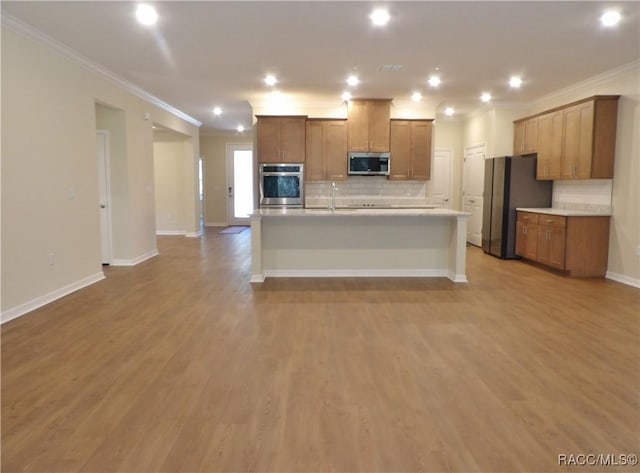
(169, 179)
(624, 263)
(49, 174)
(213, 151)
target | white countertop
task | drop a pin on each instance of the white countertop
(567, 212)
(358, 212)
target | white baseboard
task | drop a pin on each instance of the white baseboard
(170, 232)
(33, 304)
(215, 224)
(193, 234)
(257, 278)
(457, 277)
(134, 261)
(623, 279)
(355, 273)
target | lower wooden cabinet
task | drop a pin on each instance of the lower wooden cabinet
(578, 245)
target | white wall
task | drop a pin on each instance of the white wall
(49, 173)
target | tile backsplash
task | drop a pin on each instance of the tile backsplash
(591, 194)
(367, 189)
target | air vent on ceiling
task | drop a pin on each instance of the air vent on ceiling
(391, 67)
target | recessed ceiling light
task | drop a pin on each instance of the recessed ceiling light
(380, 17)
(434, 81)
(217, 111)
(353, 80)
(240, 128)
(346, 96)
(270, 79)
(146, 14)
(485, 97)
(610, 18)
(515, 82)
(449, 111)
(416, 96)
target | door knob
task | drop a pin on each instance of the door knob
(102, 206)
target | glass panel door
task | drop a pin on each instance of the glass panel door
(240, 198)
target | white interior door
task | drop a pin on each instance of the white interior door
(239, 183)
(102, 152)
(441, 177)
(472, 187)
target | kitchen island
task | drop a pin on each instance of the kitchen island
(350, 242)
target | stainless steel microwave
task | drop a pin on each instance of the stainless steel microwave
(369, 164)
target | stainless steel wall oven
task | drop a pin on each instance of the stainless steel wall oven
(281, 185)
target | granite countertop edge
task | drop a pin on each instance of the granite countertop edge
(566, 212)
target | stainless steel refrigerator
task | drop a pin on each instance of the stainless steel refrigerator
(509, 182)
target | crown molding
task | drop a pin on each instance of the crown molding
(12, 23)
(593, 81)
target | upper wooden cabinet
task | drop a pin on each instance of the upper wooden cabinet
(281, 139)
(411, 149)
(326, 150)
(550, 134)
(525, 136)
(368, 124)
(575, 141)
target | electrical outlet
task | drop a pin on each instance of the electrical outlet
(71, 193)
(638, 250)
(52, 259)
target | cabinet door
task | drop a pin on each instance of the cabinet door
(518, 138)
(269, 140)
(556, 247)
(578, 141)
(314, 161)
(379, 126)
(358, 126)
(521, 239)
(335, 150)
(532, 250)
(293, 140)
(549, 146)
(400, 150)
(531, 136)
(421, 150)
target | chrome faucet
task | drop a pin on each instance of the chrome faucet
(333, 196)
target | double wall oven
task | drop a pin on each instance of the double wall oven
(281, 184)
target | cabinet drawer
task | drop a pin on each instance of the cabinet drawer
(526, 217)
(552, 220)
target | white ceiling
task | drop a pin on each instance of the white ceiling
(202, 54)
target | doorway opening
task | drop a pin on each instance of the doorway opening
(240, 185)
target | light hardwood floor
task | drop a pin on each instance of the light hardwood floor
(179, 364)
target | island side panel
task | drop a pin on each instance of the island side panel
(458, 249)
(356, 246)
(256, 249)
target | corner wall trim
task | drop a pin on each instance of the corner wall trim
(33, 304)
(170, 232)
(134, 261)
(193, 234)
(623, 279)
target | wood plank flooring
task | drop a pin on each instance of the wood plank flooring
(179, 364)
